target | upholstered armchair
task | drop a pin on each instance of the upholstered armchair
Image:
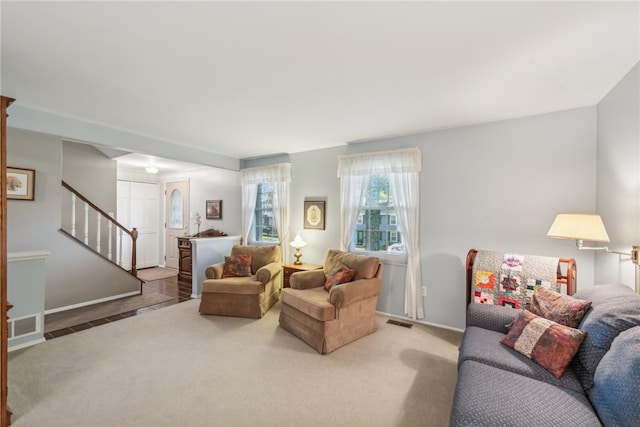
(328, 319)
(235, 288)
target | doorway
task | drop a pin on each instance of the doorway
(139, 206)
(176, 219)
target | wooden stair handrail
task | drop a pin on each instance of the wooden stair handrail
(103, 213)
(133, 233)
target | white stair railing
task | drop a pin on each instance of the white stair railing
(94, 228)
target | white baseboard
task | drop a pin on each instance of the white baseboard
(406, 319)
(95, 301)
(26, 344)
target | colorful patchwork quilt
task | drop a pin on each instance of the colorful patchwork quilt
(510, 279)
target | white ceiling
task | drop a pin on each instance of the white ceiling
(248, 79)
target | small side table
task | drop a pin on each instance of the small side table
(289, 269)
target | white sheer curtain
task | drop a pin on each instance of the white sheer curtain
(403, 168)
(352, 191)
(249, 195)
(405, 193)
(281, 216)
(280, 177)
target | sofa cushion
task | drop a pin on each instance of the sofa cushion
(340, 274)
(233, 285)
(314, 302)
(616, 390)
(546, 342)
(237, 266)
(614, 309)
(261, 255)
(488, 396)
(483, 345)
(363, 266)
(491, 316)
(562, 309)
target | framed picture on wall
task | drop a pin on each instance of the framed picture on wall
(20, 183)
(314, 214)
(214, 209)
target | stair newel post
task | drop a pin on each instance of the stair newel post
(73, 214)
(134, 237)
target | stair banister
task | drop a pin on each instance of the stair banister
(120, 229)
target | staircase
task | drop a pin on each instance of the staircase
(98, 231)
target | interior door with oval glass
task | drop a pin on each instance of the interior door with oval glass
(176, 219)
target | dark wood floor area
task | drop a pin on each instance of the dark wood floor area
(178, 290)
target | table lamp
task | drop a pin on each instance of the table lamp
(298, 244)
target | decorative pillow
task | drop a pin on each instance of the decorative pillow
(547, 343)
(340, 274)
(562, 309)
(237, 266)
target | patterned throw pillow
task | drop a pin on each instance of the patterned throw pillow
(339, 274)
(237, 266)
(562, 309)
(547, 343)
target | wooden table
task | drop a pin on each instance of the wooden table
(289, 269)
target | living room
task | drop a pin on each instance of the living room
(496, 184)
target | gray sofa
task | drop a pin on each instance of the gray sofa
(498, 386)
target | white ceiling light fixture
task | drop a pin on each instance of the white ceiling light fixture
(151, 169)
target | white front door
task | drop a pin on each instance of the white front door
(145, 211)
(176, 219)
(139, 206)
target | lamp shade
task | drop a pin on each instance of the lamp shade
(578, 226)
(298, 242)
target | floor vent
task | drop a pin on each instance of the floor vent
(399, 323)
(23, 326)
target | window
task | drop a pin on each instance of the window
(365, 181)
(377, 226)
(175, 219)
(265, 229)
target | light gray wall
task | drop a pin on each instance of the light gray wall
(25, 291)
(492, 186)
(495, 186)
(73, 274)
(91, 173)
(208, 183)
(618, 173)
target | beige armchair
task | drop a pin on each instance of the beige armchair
(329, 320)
(248, 296)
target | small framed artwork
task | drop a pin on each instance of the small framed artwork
(20, 183)
(314, 214)
(214, 209)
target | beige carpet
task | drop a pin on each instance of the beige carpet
(174, 367)
(156, 273)
(77, 316)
